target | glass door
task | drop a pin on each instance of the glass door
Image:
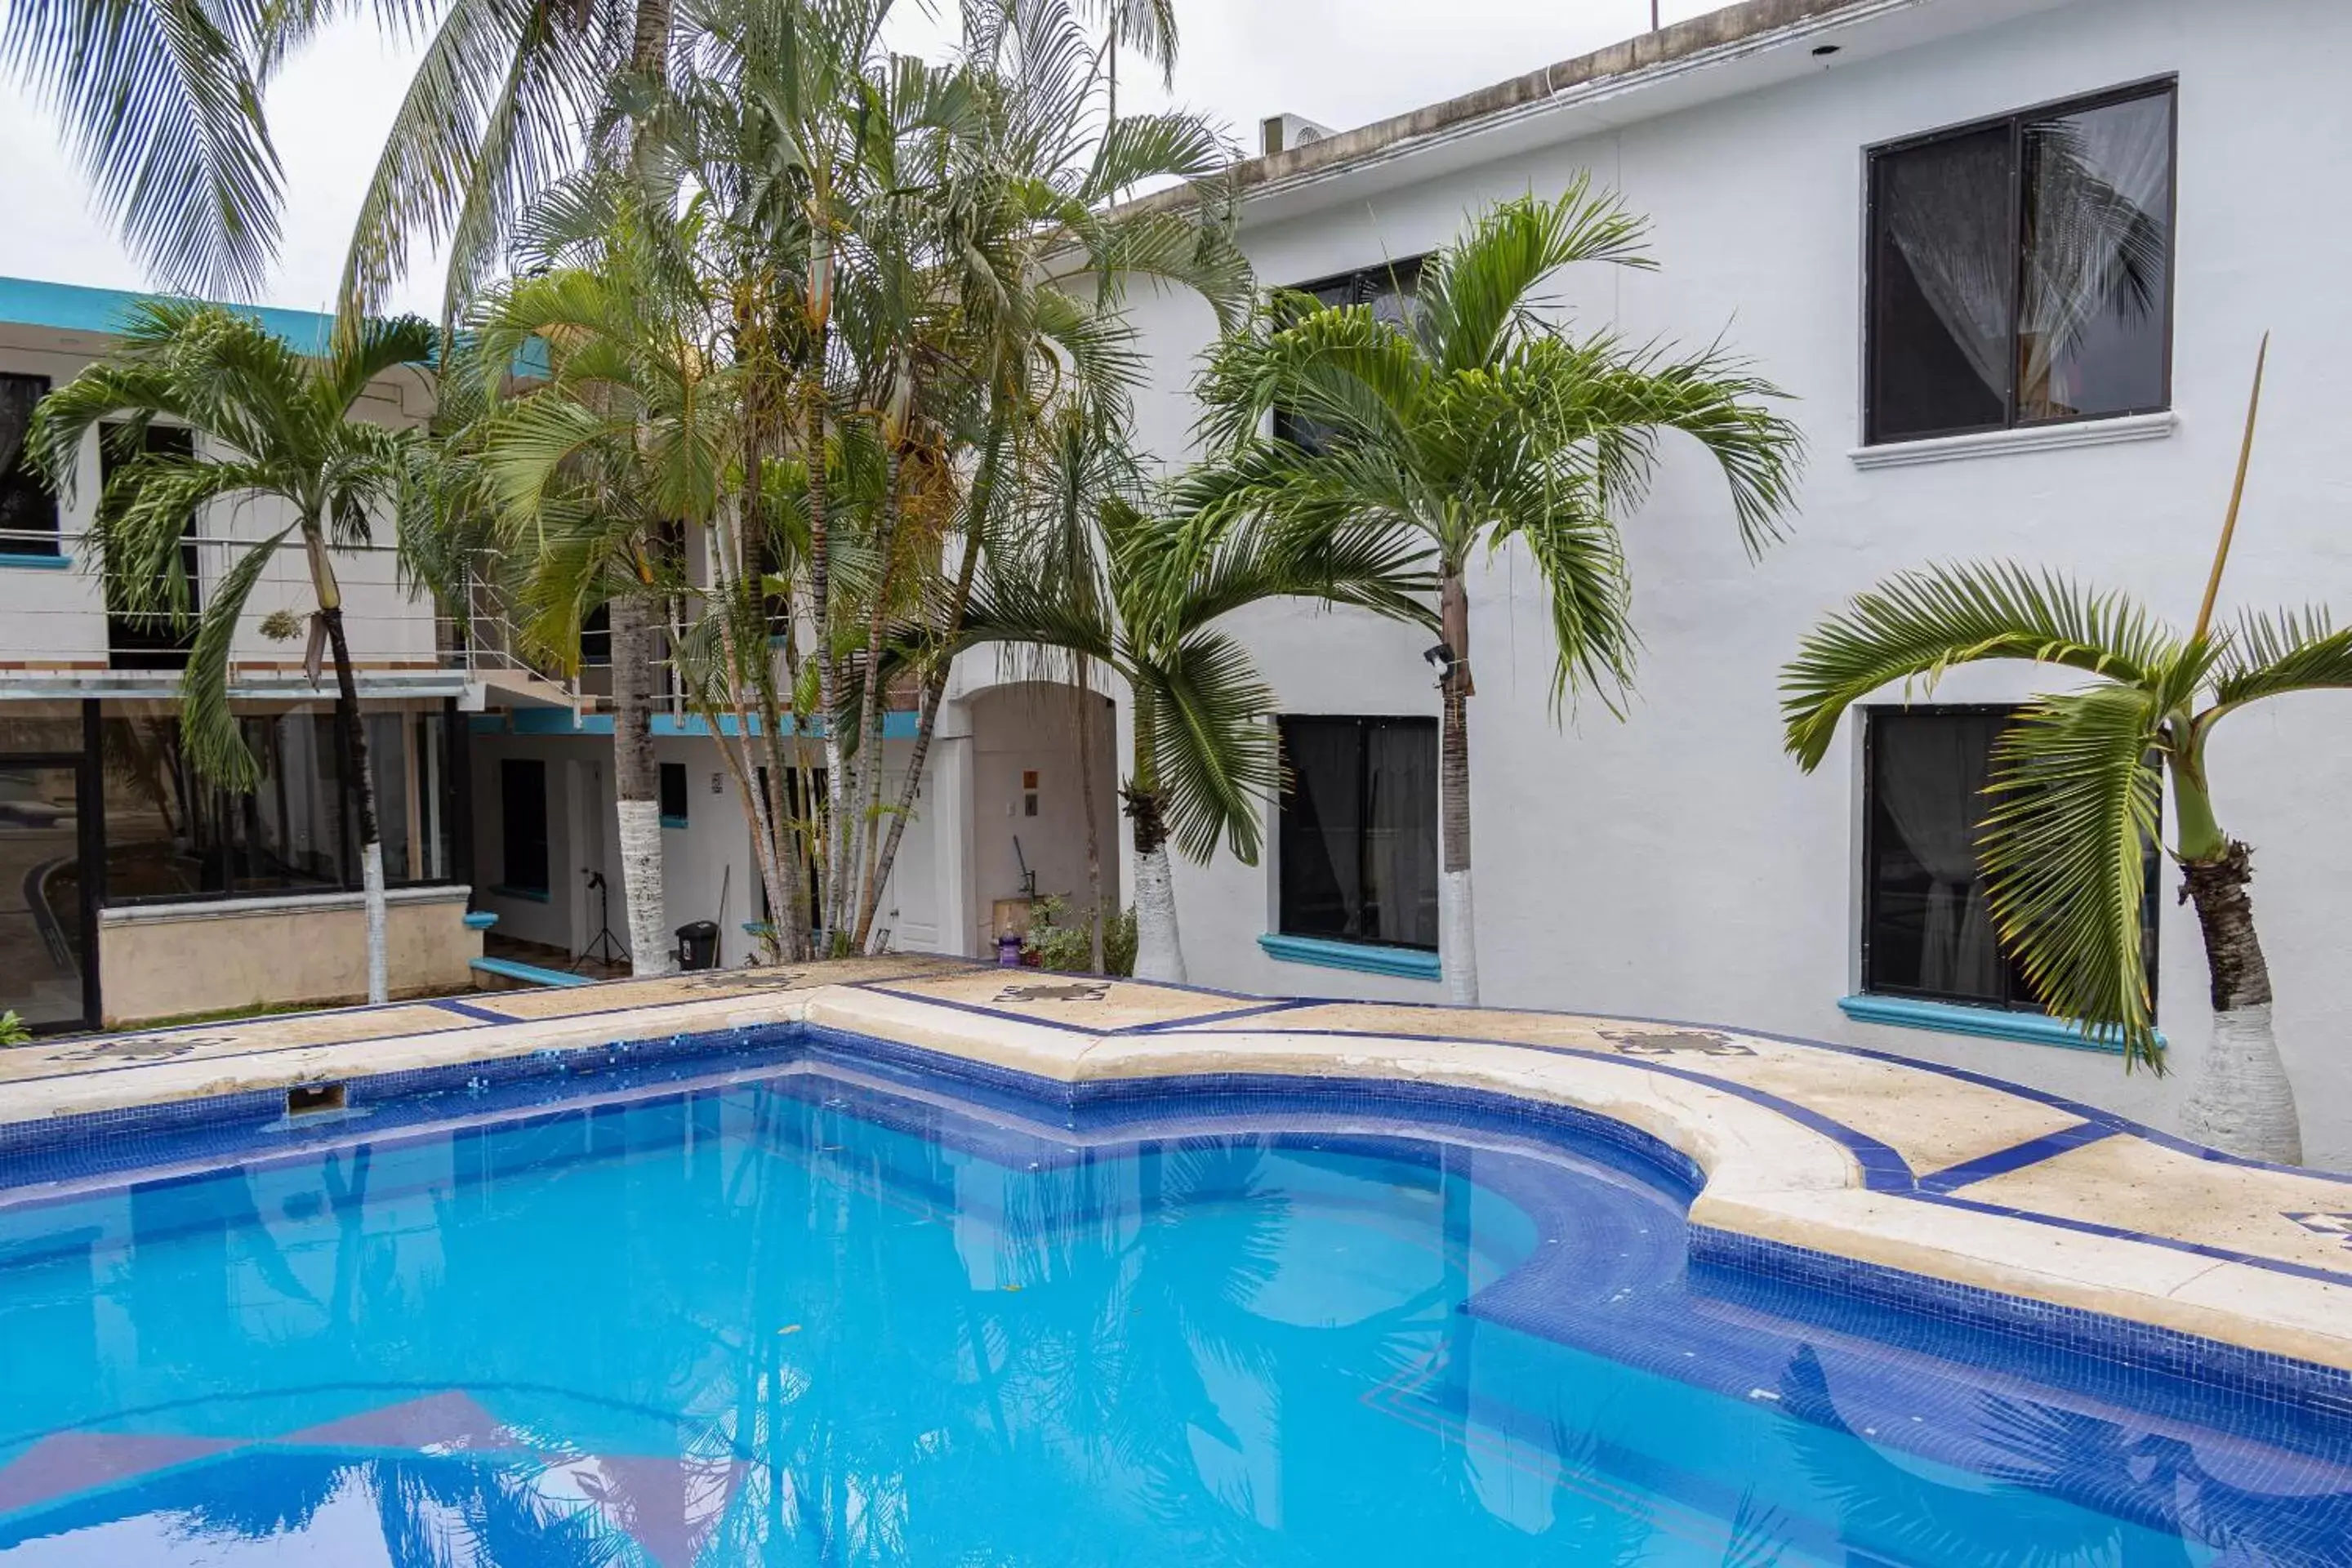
(48, 971)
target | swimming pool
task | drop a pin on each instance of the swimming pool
(804, 1313)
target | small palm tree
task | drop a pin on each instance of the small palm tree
(2077, 791)
(1141, 595)
(1473, 421)
(269, 423)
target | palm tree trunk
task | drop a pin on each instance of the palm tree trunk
(1457, 938)
(1087, 805)
(834, 862)
(1159, 945)
(869, 712)
(2243, 1104)
(637, 786)
(347, 706)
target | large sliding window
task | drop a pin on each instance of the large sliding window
(29, 513)
(2020, 269)
(1357, 840)
(171, 833)
(1928, 928)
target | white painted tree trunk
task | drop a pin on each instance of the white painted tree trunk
(1457, 942)
(641, 887)
(379, 949)
(1158, 950)
(2243, 1104)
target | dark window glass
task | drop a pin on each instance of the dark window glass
(522, 816)
(1927, 927)
(1388, 289)
(29, 513)
(673, 794)
(2019, 270)
(170, 834)
(139, 639)
(1358, 832)
(596, 635)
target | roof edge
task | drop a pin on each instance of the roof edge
(1734, 29)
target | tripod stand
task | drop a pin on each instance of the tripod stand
(613, 952)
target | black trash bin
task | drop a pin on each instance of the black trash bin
(697, 944)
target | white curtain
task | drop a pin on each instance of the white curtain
(1946, 212)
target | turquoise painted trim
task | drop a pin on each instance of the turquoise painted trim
(1404, 962)
(536, 895)
(34, 562)
(757, 928)
(673, 822)
(559, 721)
(76, 308)
(1991, 1022)
(529, 972)
(480, 920)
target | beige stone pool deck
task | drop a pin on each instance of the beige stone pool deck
(1924, 1169)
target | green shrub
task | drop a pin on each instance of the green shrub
(1069, 949)
(13, 1031)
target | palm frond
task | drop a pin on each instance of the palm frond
(1478, 292)
(1916, 625)
(1213, 749)
(2077, 794)
(160, 101)
(213, 740)
(2268, 654)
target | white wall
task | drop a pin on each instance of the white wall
(708, 868)
(1677, 864)
(57, 618)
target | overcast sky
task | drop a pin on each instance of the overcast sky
(1340, 62)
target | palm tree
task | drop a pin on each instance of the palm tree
(1140, 594)
(1473, 421)
(1035, 261)
(597, 466)
(2077, 791)
(268, 422)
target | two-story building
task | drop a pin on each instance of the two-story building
(1862, 197)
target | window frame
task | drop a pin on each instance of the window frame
(1362, 721)
(2168, 85)
(1866, 909)
(1359, 283)
(22, 548)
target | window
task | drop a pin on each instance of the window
(29, 513)
(139, 641)
(171, 834)
(673, 794)
(1927, 927)
(522, 816)
(2021, 270)
(1388, 289)
(1357, 838)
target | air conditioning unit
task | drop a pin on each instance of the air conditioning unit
(1281, 133)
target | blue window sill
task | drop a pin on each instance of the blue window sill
(480, 920)
(1365, 958)
(673, 822)
(536, 895)
(35, 562)
(1991, 1022)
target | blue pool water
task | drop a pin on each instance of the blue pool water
(812, 1319)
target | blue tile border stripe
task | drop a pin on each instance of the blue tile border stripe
(2016, 1157)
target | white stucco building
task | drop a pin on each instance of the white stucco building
(1679, 864)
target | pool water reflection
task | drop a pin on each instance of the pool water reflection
(806, 1320)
